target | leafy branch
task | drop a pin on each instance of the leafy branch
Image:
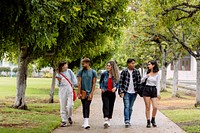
(185, 7)
(182, 42)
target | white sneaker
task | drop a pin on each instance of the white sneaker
(63, 124)
(106, 123)
(109, 122)
(83, 125)
(86, 123)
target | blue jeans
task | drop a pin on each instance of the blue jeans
(129, 100)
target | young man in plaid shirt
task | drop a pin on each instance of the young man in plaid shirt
(129, 79)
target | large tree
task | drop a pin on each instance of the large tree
(150, 39)
(181, 19)
(31, 29)
(87, 30)
(186, 17)
(68, 28)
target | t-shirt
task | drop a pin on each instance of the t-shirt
(131, 85)
(87, 77)
(110, 84)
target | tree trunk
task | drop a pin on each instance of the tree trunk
(52, 86)
(198, 83)
(175, 79)
(142, 70)
(23, 62)
(164, 72)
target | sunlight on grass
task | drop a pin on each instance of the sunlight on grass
(183, 115)
(41, 117)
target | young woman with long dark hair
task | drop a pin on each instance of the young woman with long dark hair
(151, 92)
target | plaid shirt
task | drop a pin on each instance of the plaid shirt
(125, 80)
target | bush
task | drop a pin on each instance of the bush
(4, 69)
(15, 69)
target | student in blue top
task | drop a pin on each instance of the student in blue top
(86, 85)
(65, 92)
(109, 85)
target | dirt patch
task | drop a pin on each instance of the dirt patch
(176, 103)
(30, 100)
(27, 125)
(191, 123)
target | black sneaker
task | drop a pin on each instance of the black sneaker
(63, 124)
(70, 120)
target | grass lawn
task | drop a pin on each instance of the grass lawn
(181, 111)
(41, 117)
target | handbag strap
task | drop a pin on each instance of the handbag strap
(66, 79)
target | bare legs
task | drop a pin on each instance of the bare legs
(148, 101)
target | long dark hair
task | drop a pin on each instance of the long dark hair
(60, 65)
(155, 68)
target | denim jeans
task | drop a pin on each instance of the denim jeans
(129, 100)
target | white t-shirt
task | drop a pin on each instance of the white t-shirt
(131, 85)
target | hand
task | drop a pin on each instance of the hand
(59, 79)
(122, 95)
(79, 95)
(102, 90)
(159, 97)
(114, 89)
(90, 97)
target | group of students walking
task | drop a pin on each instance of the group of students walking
(111, 81)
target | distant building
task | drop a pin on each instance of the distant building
(187, 69)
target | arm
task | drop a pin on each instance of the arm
(120, 90)
(94, 80)
(79, 87)
(144, 78)
(93, 84)
(138, 77)
(73, 78)
(117, 85)
(58, 77)
(101, 81)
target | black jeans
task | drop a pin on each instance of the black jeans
(108, 99)
(86, 107)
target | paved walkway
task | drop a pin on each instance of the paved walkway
(117, 126)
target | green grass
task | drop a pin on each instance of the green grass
(41, 117)
(181, 111)
(188, 119)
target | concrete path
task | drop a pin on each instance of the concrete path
(117, 126)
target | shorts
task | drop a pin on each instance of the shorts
(150, 91)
